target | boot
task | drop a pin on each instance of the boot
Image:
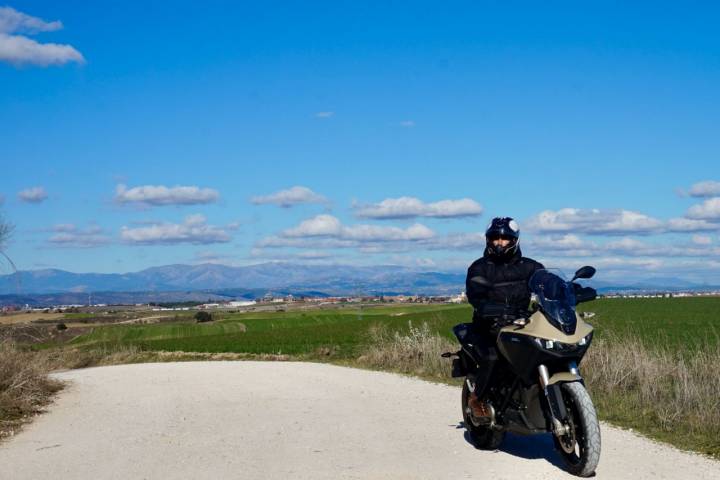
(480, 408)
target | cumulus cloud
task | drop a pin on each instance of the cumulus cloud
(594, 222)
(288, 198)
(573, 246)
(12, 21)
(708, 210)
(690, 225)
(193, 230)
(19, 50)
(68, 235)
(160, 195)
(329, 226)
(410, 207)
(33, 195)
(701, 240)
(708, 188)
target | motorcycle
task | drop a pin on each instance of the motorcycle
(536, 385)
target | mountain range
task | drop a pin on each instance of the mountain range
(213, 281)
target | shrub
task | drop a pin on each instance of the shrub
(202, 317)
(24, 386)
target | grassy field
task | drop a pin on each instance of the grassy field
(677, 323)
(343, 332)
(654, 365)
(685, 323)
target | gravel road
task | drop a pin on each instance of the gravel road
(288, 420)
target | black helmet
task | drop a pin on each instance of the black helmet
(502, 227)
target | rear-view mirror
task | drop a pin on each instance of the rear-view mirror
(585, 272)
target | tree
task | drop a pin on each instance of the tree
(6, 230)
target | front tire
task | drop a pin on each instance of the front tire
(580, 447)
(483, 437)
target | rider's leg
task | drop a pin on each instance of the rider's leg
(486, 356)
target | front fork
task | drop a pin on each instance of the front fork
(551, 388)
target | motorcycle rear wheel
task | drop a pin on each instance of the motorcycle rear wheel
(580, 447)
(484, 438)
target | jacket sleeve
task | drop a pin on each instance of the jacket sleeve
(477, 294)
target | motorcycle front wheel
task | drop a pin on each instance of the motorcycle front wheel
(483, 437)
(580, 447)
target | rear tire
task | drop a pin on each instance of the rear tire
(580, 448)
(484, 438)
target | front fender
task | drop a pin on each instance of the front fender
(564, 377)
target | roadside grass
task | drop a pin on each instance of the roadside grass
(25, 387)
(667, 394)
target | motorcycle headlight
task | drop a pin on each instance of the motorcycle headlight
(563, 347)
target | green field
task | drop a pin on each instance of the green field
(675, 322)
(678, 323)
(344, 331)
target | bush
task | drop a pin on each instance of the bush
(202, 317)
(416, 352)
(24, 386)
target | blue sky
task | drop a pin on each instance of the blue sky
(134, 135)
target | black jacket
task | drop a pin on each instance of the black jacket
(510, 283)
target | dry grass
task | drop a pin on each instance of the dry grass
(12, 318)
(416, 352)
(25, 387)
(669, 394)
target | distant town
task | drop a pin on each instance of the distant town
(270, 302)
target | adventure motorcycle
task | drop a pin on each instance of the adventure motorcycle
(536, 386)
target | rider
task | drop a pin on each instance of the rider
(501, 291)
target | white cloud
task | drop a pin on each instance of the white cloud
(594, 222)
(708, 210)
(708, 188)
(159, 195)
(374, 233)
(33, 195)
(321, 225)
(12, 21)
(288, 198)
(606, 265)
(409, 207)
(324, 114)
(194, 230)
(690, 225)
(329, 226)
(68, 235)
(21, 50)
(567, 245)
(701, 240)
(407, 123)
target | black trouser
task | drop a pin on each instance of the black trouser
(484, 353)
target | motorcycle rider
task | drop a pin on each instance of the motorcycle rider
(501, 293)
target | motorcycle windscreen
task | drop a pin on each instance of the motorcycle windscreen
(556, 298)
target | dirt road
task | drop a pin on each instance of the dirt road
(265, 420)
